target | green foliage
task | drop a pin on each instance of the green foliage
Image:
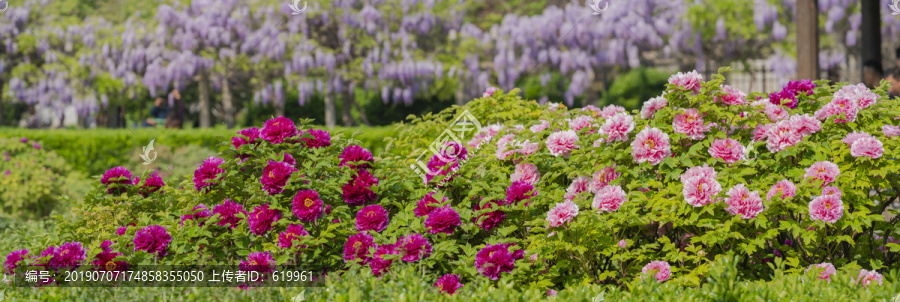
(32, 179)
(632, 88)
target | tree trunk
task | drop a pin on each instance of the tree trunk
(226, 103)
(204, 99)
(330, 121)
(460, 93)
(871, 33)
(346, 110)
(362, 114)
(808, 39)
(112, 115)
(1, 103)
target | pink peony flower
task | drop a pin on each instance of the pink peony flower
(278, 129)
(562, 143)
(489, 92)
(251, 135)
(776, 113)
(580, 122)
(609, 198)
(727, 149)
(153, 239)
(827, 208)
(580, 184)
(427, 204)
(658, 269)
(489, 220)
(442, 220)
(806, 124)
(372, 218)
(13, 259)
(121, 231)
(890, 131)
(540, 127)
(650, 145)
(307, 206)
(784, 189)
(689, 81)
(858, 94)
(293, 232)
(650, 107)
(832, 190)
(357, 247)
(199, 211)
(413, 247)
(262, 218)
(320, 138)
(378, 264)
(227, 212)
(519, 191)
(823, 170)
(552, 293)
(617, 127)
(854, 136)
(527, 173)
(690, 123)
(867, 278)
(623, 244)
(448, 284)
(844, 109)
(782, 135)
(761, 132)
(354, 153)
(610, 110)
(485, 135)
(868, 146)
(700, 186)
(117, 180)
(261, 262)
(359, 190)
(731, 96)
(741, 201)
(275, 176)
(152, 184)
(602, 178)
(561, 214)
(824, 269)
(493, 260)
(207, 172)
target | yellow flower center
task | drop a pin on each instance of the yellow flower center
(356, 245)
(700, 187)
(650, 144)
(271, 174)
(828, 205)
(254, 263)
(370, 214)
(779, 189)
(308, 202)
(111, 265)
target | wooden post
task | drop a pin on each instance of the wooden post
(871, 31)
(808, 39)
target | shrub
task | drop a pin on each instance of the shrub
(31, 178)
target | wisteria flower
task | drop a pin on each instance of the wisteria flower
(824, 269)
(827, 208)
(307, 206)
(357, 247)
(689, 81)
(743, 202)
(153, 239)
(660, 270)
(562, 213)
(602, 178)
(117, 180)
(372, 218)
(868, 278)
(784, 189)
(527, 173)
(823, 170)
(227, 212)
(609, 198)
(489, 220)
(651, 106)
(442, 220)
(562, 143)
(359, 190)
(650, 145)
(617, 127)
(199, 211)
(890, 131)
(728, 150)
(354, 153)
(519, 191)
(286, 238)
(262, 218)
(413, 247)
(867, 147)
(700, 186)
(690, 123)
(448, 284)
(152, 184)
(320, 138)
(207, 173)
(278, 129)
(493, 260)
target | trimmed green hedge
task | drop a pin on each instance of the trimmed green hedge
(96, 150)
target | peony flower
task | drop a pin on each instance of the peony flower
(731, 96)
(824, 269)
(104, 260)
(801, 86)
(890, 131)
(761, 132)
(519, 191)
(868, 146)
(700, 186)
(741, 201)
(372, 218)
(617, 127)
(689, 81)
(489, 220)
(852, 137)
(823, 170)
(207, 172)
(658, 269)
(832, 190)
(727, 149)
(121, 231)
(275, 176)
(354, 153)
(867, 278)
(151, 185)
(650, 145)
(786, 98)
(493, 260)
(622, 244)
(358, 191)
(378, 264)
(320, 138)
(278, 129)
(859, 94)
(286, 238)
(448, 284)
(199, 211)
(650, 107)
(540, 127)
(68, 255)
(485, 135)
(153, 239)
(580, 122)
(845, 110)
(117, 180)
(563, 213)
(602, 178)
(806, 124)
(611, 110)
(775, 113)
(357, 247)
(228, 213)
(580, 184)
(782, 135)
(261, 262)
(413, 247)
(562, 143)
(427, 204)
(489, 92)
(262, 219)
(609, 198)
(527, 173)
(690, 123)
(784, 189)
(307, 206)
(13, 259)
(827, 208)
(442, 220)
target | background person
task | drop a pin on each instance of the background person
(872, 73)
(157, 113)
(175, 119)
(894, 78)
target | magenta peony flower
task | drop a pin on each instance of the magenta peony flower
(278, 129)
(650, 107)
(378, 264)
(563, 213)
(658, 269)
(68, 255)
(294, 231)
(354, 153)
(200, 211)
(152, 184)
(251, 135)
(650, 145)
(890, 131)
(320, 138)
(868, 147)
(785, 97)
(527, 173)
(442, 220)
(448, 284)
(540, 127)
(801, 86)
(741, 201)
(262, 218)
(689, 81)
(727, 149)
(228, 213)
(731, 96)
(832, 190)
(782, 135)
(824, 269)
(13, 259)
(104, 260)
(827, 208)
(413, 247)
(489, 92)
(700, 186)
(261, 262)
(580, 122)
(358, 191)
(117, 180)
(372, 218)
(357, 247)
(153, 239)
(580, 184)
(493, 260)
(427, 204)
(761, 132)
(617, 127)
(562, 143)
(121, 231)
(623, 244)
(275, 176)
(489, 220)
(867, 278)
(784, 189)
(602, 178)
(609, 198)
(823, 170)
(307, 206)
(207, 172)
(519, 191)
(690, 123)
